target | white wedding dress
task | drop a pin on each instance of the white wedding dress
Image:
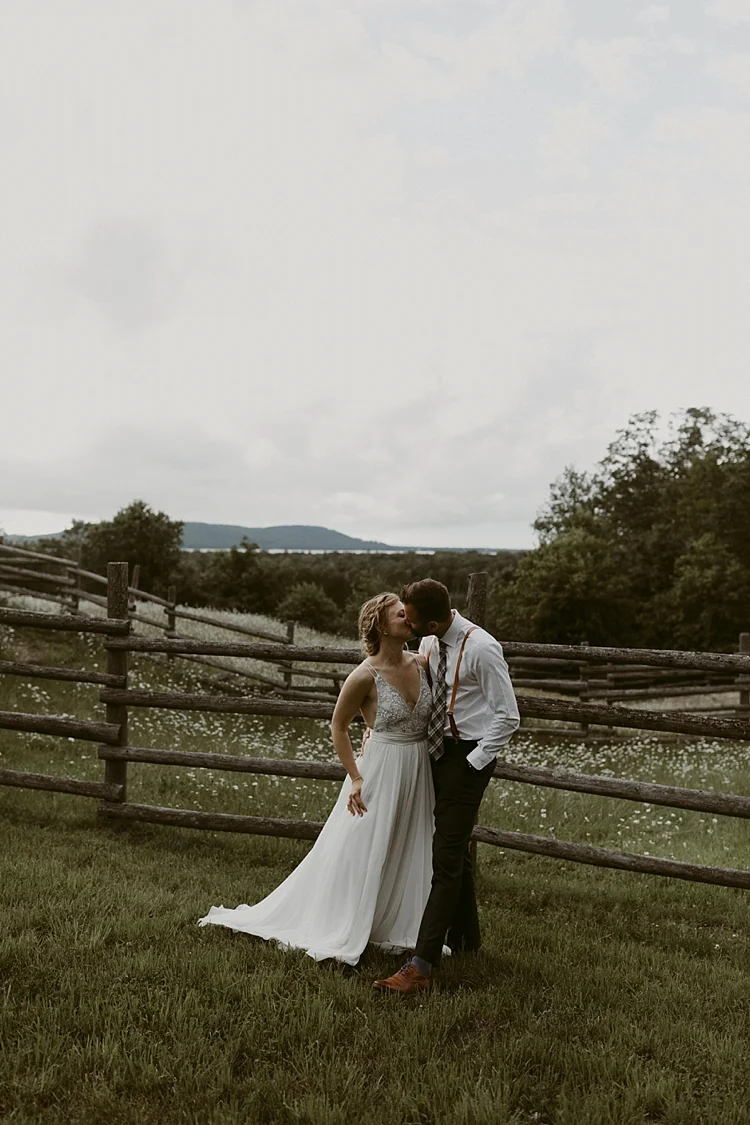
(366, 878)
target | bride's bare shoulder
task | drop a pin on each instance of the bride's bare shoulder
(361, 675)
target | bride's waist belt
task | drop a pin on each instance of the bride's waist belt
(398, 736)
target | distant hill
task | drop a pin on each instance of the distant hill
(286, 537)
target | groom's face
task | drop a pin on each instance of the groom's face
(419, 627)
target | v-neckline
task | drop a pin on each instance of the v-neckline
(405, 701)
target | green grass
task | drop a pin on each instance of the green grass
(599, 997)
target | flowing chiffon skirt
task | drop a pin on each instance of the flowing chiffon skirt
(366, 878)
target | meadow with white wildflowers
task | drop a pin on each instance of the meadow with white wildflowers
(599, 997)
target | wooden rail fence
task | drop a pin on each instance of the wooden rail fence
(561, 670)
(16, 573)
(115, 750)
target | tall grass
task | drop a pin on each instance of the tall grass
(599, 997)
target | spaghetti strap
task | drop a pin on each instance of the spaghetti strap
(369, 666)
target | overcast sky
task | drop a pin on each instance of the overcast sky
(382, 265)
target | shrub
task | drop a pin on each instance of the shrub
(309, 604)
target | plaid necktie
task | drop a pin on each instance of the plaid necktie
(436, 725)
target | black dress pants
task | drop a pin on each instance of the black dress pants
(450, 915)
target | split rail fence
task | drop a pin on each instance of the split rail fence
(61, 581)
(116, 751)
(546, 669)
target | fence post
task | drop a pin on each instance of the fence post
(476, 600)
(744, 647)
(117, 665)
(476, 611)
(170, 629)
(582, 695)
(287, 668)
(74, 573)
(134, 583)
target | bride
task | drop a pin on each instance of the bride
(367, 877)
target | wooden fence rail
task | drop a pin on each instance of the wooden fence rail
(231, 627)
(26, 592)
(85, 729)
(736, 663)
(38, 576)
(674, 692)
(531, 706)
(519, 841)
(98, 789)
(666, 658)
(673, 796)
(192, 701)
(608, 857)
(30, 620)
(49, 672)
(234, 763)
(23, 553)
(241, 673)
(631, 718)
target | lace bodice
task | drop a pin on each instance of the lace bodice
(394, 713)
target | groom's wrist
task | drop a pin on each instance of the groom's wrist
(475, 757)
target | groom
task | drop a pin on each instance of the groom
(474, 714)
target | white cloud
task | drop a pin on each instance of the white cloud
(711, 146)
(126, 268)
(653, 15)
(732, 69)
(611, 64)
(679, 278)
(431, 156)
(507, 43)
(563, 151)
(729, 11)
(683, 45)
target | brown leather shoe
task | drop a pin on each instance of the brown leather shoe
(405, 982)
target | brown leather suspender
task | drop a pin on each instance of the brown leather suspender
(451, 720)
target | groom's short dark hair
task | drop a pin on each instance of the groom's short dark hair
(429, 597)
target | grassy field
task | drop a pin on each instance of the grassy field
(599, 997)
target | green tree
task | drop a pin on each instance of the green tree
(572, 589)
(651, 548)
(234, 579)
(709, 597)
(137, 534)
(366, 585)
(309, 604)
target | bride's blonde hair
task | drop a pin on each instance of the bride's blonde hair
(372, 619)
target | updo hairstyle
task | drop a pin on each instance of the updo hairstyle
(372, 621)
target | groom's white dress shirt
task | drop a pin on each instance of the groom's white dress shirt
(485, 707)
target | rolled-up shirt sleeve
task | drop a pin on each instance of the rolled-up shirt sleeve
(493, 678)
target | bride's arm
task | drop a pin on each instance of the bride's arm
(354, 692)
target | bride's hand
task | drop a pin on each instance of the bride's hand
(355, 804)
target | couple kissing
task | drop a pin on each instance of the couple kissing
(392, 864)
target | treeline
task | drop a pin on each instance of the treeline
(652, 548)
(323, 591)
